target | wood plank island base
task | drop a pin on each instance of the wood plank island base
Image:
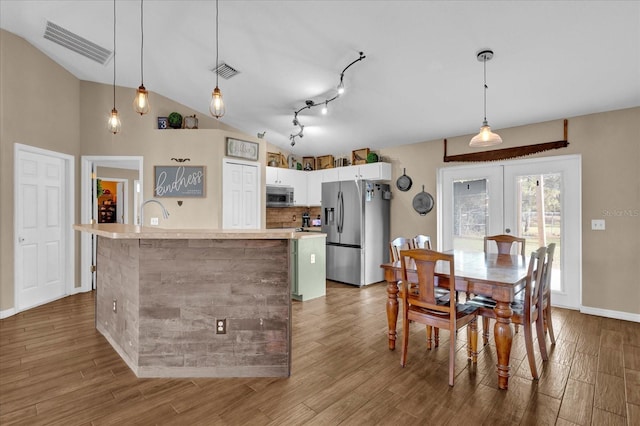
(160, 291)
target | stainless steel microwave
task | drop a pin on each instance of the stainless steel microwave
(279, 196)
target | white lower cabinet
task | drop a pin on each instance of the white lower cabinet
(308, 268)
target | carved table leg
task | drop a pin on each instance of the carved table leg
(392, 311)
(503, 336)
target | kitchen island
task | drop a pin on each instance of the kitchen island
(196, 302)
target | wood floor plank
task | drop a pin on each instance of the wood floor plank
(56, 369)
(632, 386)
(610, 394)
(577, 403)
(605, 418)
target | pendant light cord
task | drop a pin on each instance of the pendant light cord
(217, 25)
(141, 42)
(114, 54)
(484, 62)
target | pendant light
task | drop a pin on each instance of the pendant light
(141, 101)
(216, 107)
(114, 120)
(486, 137)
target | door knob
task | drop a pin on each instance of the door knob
(20, 239)
(508, 230)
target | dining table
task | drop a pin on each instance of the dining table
(499, 276)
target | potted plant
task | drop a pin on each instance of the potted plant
(175, 120)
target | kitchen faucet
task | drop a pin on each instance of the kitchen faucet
(165, 213)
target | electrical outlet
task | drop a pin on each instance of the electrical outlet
(154, 221)
(313, 258)
(115, 305)
(597, 225)
(221, 326)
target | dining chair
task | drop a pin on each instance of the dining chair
(395, 246)
(525, 309)
(545, 302)
(424, 306)
(422, 241)
(504, 243)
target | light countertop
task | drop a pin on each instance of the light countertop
(120, 231)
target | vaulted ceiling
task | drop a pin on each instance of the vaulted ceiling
(420, 79)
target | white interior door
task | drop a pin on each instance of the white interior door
(536, 199)
(41, 246)
(240, 195)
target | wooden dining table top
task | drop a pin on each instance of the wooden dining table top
(492, 268)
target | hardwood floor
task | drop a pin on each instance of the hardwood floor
(55, 368)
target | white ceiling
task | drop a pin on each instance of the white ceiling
(420, 80)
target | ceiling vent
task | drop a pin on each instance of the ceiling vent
(225, 71)
(78, 44)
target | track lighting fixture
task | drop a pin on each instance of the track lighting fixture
(308, 104)
(114, 124)
(486, 137)
(216, 107)
(141, 101)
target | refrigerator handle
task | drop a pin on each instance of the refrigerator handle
(341, 212)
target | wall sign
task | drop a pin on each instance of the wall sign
(178, 181)
(242, 149)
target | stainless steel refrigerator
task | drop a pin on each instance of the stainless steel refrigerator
(355, 217)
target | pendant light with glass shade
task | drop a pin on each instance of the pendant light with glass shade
(486, 137)
(141, 101)
(114, 120)
(216, 107)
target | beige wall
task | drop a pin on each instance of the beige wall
(610, 150)
(607, 142)
(40, 107)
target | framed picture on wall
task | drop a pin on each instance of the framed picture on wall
(178, 181)
(308, 163)
(242, 149)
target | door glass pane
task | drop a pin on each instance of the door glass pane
(540, 216)
(470, 214)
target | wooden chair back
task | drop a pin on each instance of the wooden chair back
(425, 307)
(532, 291)
(422, 241)
(504, 243)
(425, 264)
(398, 244)
(546, 271)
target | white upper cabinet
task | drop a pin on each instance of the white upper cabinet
(307, 186)
(289, 177)
(369, 171)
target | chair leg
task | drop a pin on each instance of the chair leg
(542, 341)
(485, 331)
(528, 340)
(429, 339)
(548, 324)
(517, 327)
(452, 354)
(436, 336)
(405, 338)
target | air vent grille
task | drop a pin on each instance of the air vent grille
(225, 71)
(78, 44)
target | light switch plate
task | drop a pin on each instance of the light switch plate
(597, 225)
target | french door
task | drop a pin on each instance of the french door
(538, 200)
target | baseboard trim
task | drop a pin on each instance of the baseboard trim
(7, 313)
(627, 316)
